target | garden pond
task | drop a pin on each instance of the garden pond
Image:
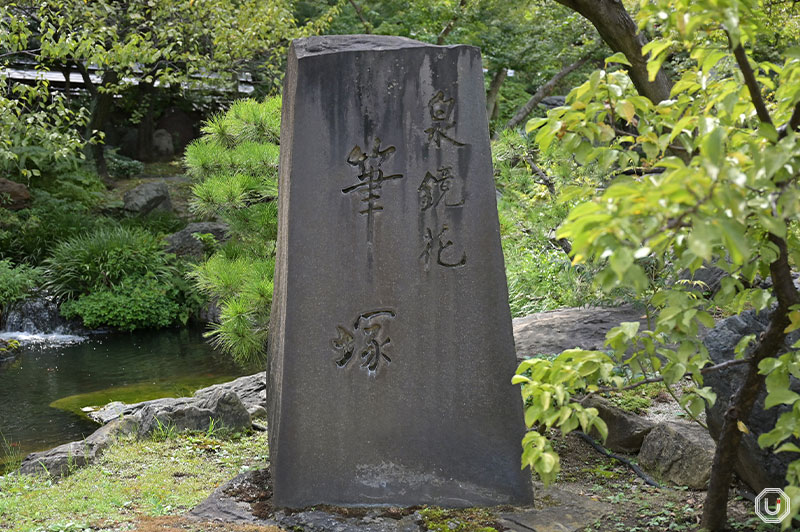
(49, 383)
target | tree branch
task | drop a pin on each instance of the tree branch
(543, 92)
(367, 25)
(620, 33)
(751, 83)
(451, 23)
(602, 450)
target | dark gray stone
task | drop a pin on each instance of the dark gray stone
(184, 242)
(64, 459)
(759, 468)
(251, 391)
(680, 453)
(391, 345)
(557, 330)
(148, 197)
(195, 413)
(626, 431)
(566, 511)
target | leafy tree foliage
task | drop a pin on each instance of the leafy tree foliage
(235, 167)
(707, 177)
(118, 44)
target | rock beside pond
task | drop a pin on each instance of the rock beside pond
(251, 391)
(220, 408)
(62, 460)
(148, 197)
(759, 468)
(184, 242)
(680, 453)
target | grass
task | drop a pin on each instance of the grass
(134, 393)
(134, 480)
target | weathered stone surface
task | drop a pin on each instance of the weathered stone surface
(557, 330)
(196, 413)
(163, 146)
(567, 512)
(184, 242)
(680, 453)
(759, 468)
(62, 460)
(148, 197)
(14, 196)
(626, 431)
(232, 501)
(250, 389)
(391, 342)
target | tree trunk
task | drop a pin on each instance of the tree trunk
(715, 508)
(542, 93)
(101, 108)
(144, 140)
(494, 91)
(621, 34)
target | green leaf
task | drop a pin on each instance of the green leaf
(780, 397)
(618, 57)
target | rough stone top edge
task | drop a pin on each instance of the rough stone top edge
(329, 44)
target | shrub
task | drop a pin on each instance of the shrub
(120, 277)
(132, 303)
(122, 167)
(103, 259)
(17, 281)
(28, 236)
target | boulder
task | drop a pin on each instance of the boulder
(251, 391)
(679, 452)
(184, 242)
(148, 197)
(710, 276)
(64, 459)
(222, 407)
(14, 196)
(163, 147)
(759, 468)
(556, 330)
(626, 431)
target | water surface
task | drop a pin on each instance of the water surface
(123, 366)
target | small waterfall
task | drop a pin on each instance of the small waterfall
(37, 320)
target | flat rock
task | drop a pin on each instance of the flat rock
(569, 512)
(62, 460)
(679, 452)
(147, 197)
(557, 330)
(626, 431)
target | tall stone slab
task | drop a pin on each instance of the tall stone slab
(391, 350)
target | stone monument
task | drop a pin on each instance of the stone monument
(391, 351)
